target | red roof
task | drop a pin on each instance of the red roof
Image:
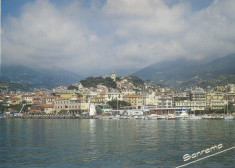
(132, 96)
(27, 95)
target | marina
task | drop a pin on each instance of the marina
(117, 117)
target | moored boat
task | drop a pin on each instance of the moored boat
(228, 117)
(194, 117)
(171, 117)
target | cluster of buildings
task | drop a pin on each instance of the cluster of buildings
(60, 100)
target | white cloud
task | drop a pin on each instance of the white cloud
(121, 34)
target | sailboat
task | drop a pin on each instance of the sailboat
(228, 117)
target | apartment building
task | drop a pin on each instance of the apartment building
(134, 99)
(70, 105)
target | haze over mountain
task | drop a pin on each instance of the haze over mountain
(43, 78)
(180, 73)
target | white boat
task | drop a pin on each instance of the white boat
(228, 117)
(117, 117)
(106, 117)
(161, 117)
(207, 117)
(183, 116)
(171, 117)
(138, 117)
(2, 116)
(153, 117)
(194, 117)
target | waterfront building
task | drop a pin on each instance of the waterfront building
(198, 94)
(215, 100)
(198, 99)
(70, 106)
(67, 105)
(42, 108)
(192, 105)
(165, 102)
(134, 99)
(166, 111)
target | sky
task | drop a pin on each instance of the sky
(97, 37)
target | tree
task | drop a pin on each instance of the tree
(71, 87)
(93, 82)
(136, 80)
(119, 103)
(2, 108)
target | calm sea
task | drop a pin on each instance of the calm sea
(32, 143)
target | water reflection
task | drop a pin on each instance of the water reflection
(108, 143)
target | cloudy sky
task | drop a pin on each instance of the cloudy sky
(92, 37)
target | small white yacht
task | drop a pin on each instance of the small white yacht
(228, 117)
(194, 117)
(153, 117)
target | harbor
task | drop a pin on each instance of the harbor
(182, 116)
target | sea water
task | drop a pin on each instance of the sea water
(34, 143)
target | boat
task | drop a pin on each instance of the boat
(161, 117)
(228, 117)
(183, 116)
(171, 117)
(212, 117)
(2, 116)
(207, 117)
(105, 117)
(116, 117)
(138, 117)
(194, 117)
(153, 117)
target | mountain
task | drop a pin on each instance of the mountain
(14, 86)
(42, 78)
(182, 73)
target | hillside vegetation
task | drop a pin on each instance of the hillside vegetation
(94, 81)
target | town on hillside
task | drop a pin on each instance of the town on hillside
(122, 96)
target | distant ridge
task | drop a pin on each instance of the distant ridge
(182, 73)
(42, 78)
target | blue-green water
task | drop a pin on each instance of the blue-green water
(113, 143)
